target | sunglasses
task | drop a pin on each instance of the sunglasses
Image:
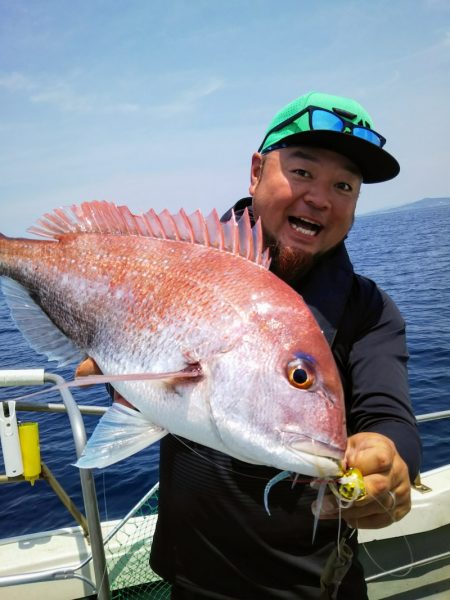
(322, 119)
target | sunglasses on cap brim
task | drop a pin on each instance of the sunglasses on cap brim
(321, 119)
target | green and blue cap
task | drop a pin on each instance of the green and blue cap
(335, 123)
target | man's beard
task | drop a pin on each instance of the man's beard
(288, 263)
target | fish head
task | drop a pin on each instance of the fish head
(312, 413)
(285, 407)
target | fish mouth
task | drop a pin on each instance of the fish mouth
(305, 225)
(309, 445)
(316, 459)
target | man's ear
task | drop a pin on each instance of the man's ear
(255, 172)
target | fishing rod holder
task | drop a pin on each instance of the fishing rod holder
(10, 441)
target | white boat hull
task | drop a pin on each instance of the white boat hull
(423, 533)
(65, 549)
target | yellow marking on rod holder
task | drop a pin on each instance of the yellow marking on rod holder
(31, 453)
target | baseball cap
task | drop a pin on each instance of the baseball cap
(335, 123)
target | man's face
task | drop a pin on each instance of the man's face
(306, 199)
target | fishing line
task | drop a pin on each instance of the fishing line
(230, 470)
(407, 544)
(105, 502)
(191, 371)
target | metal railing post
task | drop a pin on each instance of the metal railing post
(88, 489)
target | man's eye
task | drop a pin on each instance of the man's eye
(346, 187)
(302, 172)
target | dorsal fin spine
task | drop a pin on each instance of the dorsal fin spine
(202, 229)
(231, 234)
(111, 220)
(41, 232)
(221, 232)
(188, 224)
(205, 229)
(87, 217)
(148, 226)
(64, 222)
(141, 226)
(129, 219)
(154, 219)
(94, 216)
(55, 222)
(123, 225)
(170, 225)
(106, 218)
(216, 230)
(257, 242)
(247, 236)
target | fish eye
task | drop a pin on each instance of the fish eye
(300, 374)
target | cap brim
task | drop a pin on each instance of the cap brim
(374, 163)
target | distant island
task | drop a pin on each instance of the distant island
(424, 203)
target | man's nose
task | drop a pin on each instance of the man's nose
(317, 195)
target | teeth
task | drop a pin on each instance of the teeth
(308, 221)
(302, 230)
(297, 225)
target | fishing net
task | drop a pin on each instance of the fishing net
(127, 551)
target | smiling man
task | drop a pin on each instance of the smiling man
(306, 199)
(214, 538)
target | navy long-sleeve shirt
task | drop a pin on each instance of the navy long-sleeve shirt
(214, 538)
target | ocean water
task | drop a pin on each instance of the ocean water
(406, 252)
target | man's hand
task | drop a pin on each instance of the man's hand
(87, 367)
(388, 489)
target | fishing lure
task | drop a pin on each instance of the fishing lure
(348, 488)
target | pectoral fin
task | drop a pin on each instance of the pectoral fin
(36, 327)
(121, 432)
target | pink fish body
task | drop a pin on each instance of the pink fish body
(238, 361)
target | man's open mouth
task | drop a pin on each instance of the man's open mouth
(305, 226)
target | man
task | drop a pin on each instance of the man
(214, 538)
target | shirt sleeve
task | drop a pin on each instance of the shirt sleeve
(372, 355)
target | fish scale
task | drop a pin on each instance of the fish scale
(189, 303)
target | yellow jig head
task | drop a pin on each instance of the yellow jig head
(349, 487)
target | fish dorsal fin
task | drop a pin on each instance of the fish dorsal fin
(235, 236)
(36, 327)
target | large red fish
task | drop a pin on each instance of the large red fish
(238, 361)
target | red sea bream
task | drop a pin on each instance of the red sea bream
(232, 356)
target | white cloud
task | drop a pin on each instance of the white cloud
(63, 96)
(16, 82)
(188, 98)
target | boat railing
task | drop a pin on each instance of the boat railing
(38, 377)
(441, 557)
(101, 585)
(433, 416)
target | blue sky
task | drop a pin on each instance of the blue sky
(161, 103)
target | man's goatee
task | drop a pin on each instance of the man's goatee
(288, 263)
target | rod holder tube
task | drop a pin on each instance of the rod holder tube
(31, 452)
